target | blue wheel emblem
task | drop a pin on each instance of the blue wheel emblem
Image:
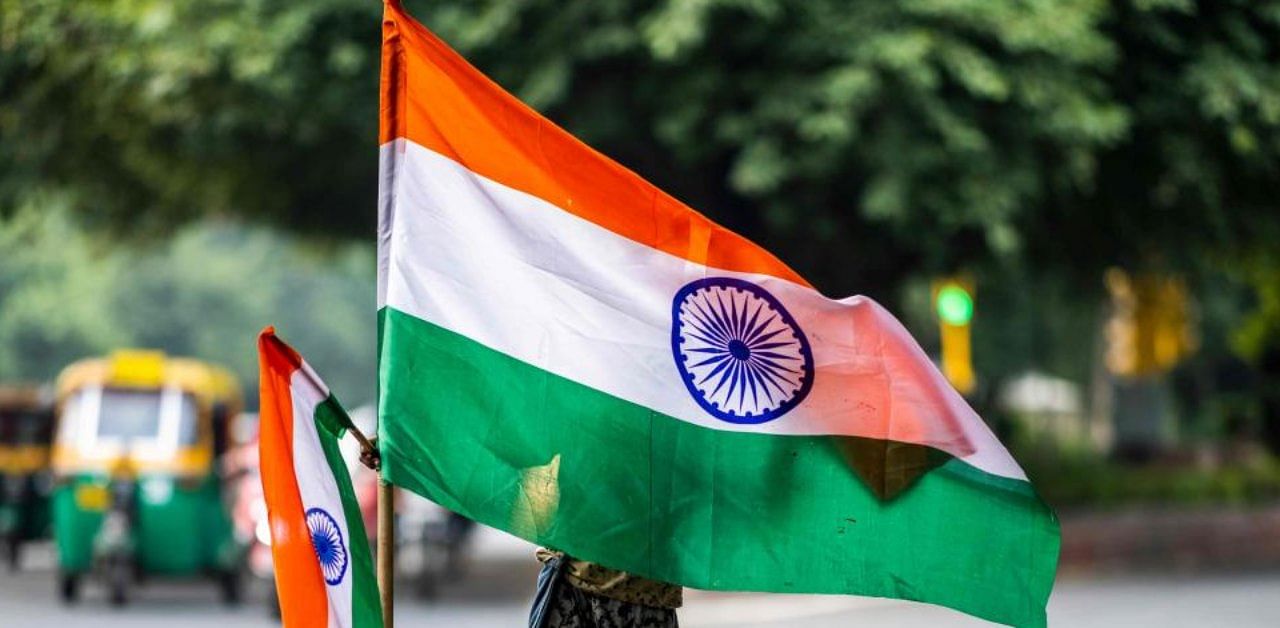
(740, 353)
(326, 538)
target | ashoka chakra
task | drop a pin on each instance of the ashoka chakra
(740, 353)
(326, 538)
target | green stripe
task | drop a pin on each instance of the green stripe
(366, 610)
(477, 431)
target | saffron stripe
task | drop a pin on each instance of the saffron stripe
(299, 584)
(433, 97)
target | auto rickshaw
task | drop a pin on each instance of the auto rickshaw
(26, 428)
(136, 459)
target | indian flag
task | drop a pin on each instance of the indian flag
(323, 569)
(570, 354)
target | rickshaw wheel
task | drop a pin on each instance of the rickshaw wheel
(229, 583)
(273, 603)
(118, 582)
(427, 587)
(69, 588)
(14, 553)
(119, 594)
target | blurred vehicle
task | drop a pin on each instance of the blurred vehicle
(26, 429)
(431, 543)
(137, 491)
(249, 511)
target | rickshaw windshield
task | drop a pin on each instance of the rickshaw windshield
(8, 426)
(129, 414)
(23, 427)
(157, 417)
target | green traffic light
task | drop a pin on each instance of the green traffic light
(955, 306)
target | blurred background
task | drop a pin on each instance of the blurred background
(1074, 205)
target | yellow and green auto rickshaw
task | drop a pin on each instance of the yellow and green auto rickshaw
(26, 428)
(138, 491)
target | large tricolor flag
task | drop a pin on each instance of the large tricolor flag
(570, 354)
(323, 569)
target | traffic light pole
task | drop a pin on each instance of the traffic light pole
(953, 304)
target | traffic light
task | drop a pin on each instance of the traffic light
(1149, 330)
(953, 304)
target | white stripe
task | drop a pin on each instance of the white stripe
(522, 276)
(389, 166)
(316, 483)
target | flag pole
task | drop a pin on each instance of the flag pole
(386, 547)
(386, 522)
(372, 458)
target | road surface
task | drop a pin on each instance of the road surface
(499, 584)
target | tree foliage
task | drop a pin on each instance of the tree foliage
(154, 112)
(66, 294)
(864, 141)
(1194, 182)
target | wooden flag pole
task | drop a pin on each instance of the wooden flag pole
(386, 548)
(386, 530)
(372, 458)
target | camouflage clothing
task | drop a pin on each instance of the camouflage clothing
(614, 584)
(599, 597)
(575, 608)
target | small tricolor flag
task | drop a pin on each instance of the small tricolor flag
(572, 355)
(323, 566)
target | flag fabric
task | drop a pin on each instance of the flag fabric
(323, 566)
(570, 354)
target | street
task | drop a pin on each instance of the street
(498, 587)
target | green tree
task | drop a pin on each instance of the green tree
(864, 141)
(155, 112)
(897, 134)
(899, 137)
(1192, 184)
(205, 292)
(53, 284)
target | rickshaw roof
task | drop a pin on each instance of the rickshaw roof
(145, 369)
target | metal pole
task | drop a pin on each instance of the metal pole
(386, 548)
